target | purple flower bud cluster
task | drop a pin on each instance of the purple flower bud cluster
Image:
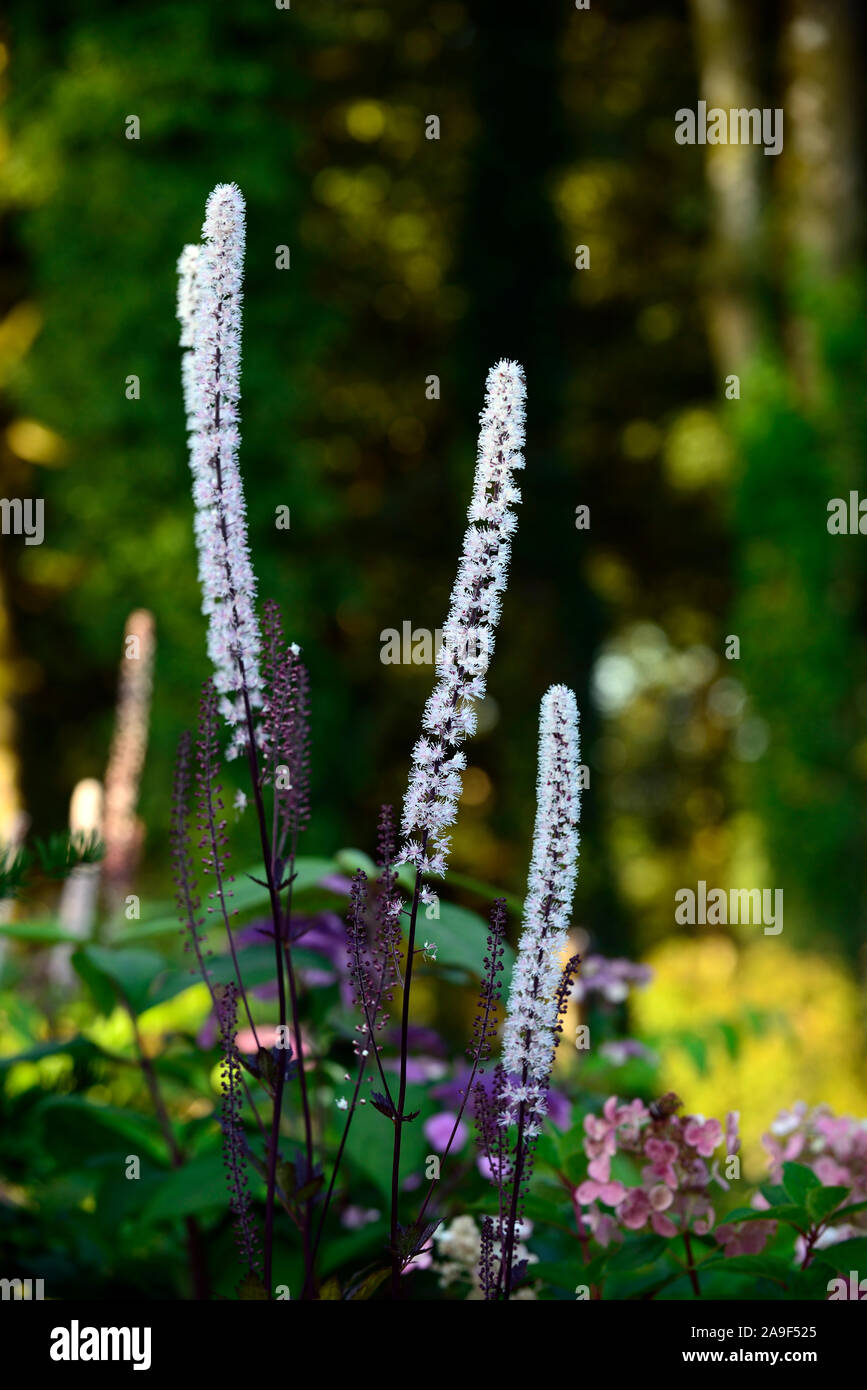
(187, 896)
(211, 821)
(285, 725)
(234, 1146)
(373, 937)
(486, 1019)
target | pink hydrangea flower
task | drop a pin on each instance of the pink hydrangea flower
(673, 1194)
(745, 1237)
(703, 1137)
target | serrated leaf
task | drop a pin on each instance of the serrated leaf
(823, 1200)
(788, 1212)
(798, 1180)
(850, 1210)
(637, 1252)
(198, 1186)
(773, 1194)
(765, 1266)
(846, 1255)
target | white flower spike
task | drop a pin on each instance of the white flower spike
(431, 801)
(529, 1035)
(209, 310)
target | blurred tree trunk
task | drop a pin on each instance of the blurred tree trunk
(723, 46)
(784, 322)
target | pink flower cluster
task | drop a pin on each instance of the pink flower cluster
(674, 1194)
(834, 1146)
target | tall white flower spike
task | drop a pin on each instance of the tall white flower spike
(209, 310)
(430, 805)
(529, 1035)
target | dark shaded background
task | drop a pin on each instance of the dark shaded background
(412, 257)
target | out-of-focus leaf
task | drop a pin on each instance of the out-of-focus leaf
(199, 1185)
(81, 1130)
(637, 1252)
(38, 933)
(251, 1287)
(798, 1180)
(133, 970)
(461, 939)
(368, 1286)
(822, 1201)
(847, 1255)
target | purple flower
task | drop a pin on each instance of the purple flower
(438, 1130)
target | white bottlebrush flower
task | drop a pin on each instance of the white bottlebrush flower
(209, 310)
(188, 262)
(430, 805)
(529, 1035)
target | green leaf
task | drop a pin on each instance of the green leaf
(744, 1214)
(81, 1130)
(330, 1290)
(774, 1195)
(102, 989)
(40, 933)
(636, 1252)
(368, 1286)
(540, 1208)
(371, 1141)
(349, 861)
(851, 1210)
(566, 1274)
(547, 1154)
(765, 1266)
(823, 1200)
(731, 1040)
(198, 1186)
(484, 890)
(133, 970)
(257, 968)
(79, 1048)
(788, 1212)
(248, 896)
(798, 1181)
(812, 1283)
(461, 938)
(847, 1255)
(251, 1287)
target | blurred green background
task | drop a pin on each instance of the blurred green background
(413, 257)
